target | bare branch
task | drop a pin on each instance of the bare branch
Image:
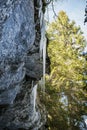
(54, 9)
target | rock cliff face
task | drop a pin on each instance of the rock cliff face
(20, 65)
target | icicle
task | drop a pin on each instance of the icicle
(43, 54)
(35, 96)
(44, 63)
(40, 13)
(43, 39)
(42, 47)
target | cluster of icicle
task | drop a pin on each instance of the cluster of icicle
(42, 56)
(42, 47)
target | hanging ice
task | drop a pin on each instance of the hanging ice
(43, 38)
(35, 95)
(43, 49)
(34, 115)
(33, 98)
(44, 63)
(40, 12)
(43, 55)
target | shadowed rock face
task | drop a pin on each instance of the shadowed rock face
(19, 64)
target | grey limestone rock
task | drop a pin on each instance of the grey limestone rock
(20, 65)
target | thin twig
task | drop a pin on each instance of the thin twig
(54, 9)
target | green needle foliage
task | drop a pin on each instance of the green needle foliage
(66, 45)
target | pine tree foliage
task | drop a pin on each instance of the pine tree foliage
(67, 77)
(66, 44)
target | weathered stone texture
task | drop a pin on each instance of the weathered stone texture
(20, 65)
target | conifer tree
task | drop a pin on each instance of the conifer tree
(66, 45)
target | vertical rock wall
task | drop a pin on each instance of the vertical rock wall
(20, 65)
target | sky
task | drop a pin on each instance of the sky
(75, 9)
